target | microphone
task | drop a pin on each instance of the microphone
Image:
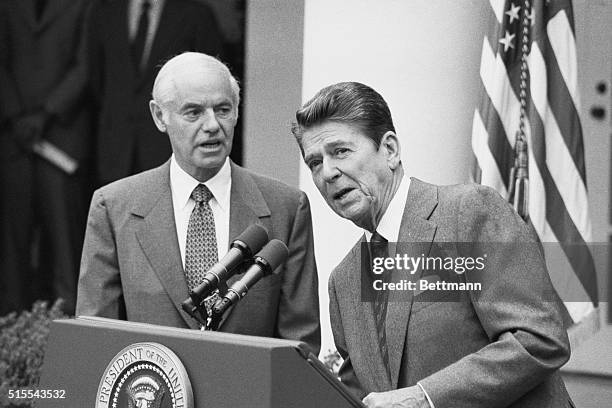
(243, 247)
(266, 261)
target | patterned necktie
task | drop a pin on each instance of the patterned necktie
(201, 248)
(138, 45)
(379, 249)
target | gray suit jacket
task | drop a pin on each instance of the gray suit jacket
(498, 347)
(131, 267)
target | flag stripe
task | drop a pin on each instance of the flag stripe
(562, 168)
(480, 141)
(498, 7)
(564, 111)
(500, 93)
(500, 148)
(558, 218)
(562, 41)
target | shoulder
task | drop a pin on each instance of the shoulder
(471, 197)
(273, 191)
(480, 211)
(132, 189)
(345, 269)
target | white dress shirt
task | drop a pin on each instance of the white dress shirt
(389, 225)
(220, 185)
(134, 11)
(389, 228)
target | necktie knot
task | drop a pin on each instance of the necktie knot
(201, 194)
(378, 239)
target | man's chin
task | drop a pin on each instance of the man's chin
(207, 161)
(352, 213)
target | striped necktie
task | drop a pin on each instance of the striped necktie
(379, 249)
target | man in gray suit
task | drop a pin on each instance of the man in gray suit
(498, 346)
(138, 256)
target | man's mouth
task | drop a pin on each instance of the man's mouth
(213, 144)
(339, 195)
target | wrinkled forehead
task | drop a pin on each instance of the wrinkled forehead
(331, 132)
(329, 135)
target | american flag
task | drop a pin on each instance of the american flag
(529, 61)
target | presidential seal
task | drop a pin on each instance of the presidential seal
(145, 375)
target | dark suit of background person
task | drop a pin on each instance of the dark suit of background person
(127, 141)
(473, 351)
(42, 81)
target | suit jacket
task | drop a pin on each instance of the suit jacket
(125, 130)
(42, 64)
(501, 346)
(131, 267)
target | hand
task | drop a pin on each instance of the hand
(411, 397)
(30, 127)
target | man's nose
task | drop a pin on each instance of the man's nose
(330, 171)
(210, 123)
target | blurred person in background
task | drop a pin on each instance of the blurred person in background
(128, 42)
(43, 79)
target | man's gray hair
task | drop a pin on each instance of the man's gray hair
(164, 87)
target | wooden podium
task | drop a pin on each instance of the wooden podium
(86, 355)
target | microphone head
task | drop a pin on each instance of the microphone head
(252, 239)
(274, 254)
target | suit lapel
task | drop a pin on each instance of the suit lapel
(158, 240)
(118, 42)
(364, 316)
(247, 207)
(169, 20)
(415, 228)
(53, 9)
(28, 13)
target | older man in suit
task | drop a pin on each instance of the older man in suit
(498, 346)
(128, 41)
(43, 80)
(139, 257)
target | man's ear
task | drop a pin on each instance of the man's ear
(158, 115)
(392, 150)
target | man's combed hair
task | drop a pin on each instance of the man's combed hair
(352, 103)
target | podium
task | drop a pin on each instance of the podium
(100, 362)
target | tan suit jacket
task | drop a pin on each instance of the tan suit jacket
(501, 346)
(131, 267)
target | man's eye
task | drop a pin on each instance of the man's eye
(224, 111)
(192, 114)
(340, 151)
(313, 164)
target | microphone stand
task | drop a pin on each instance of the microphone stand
(213, 321)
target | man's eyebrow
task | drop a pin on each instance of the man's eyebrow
(190, 105)
(335, 143)
(310, 156)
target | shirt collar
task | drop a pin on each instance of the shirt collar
(389, 225)
(182, 184)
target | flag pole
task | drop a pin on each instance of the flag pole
(518, 193)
